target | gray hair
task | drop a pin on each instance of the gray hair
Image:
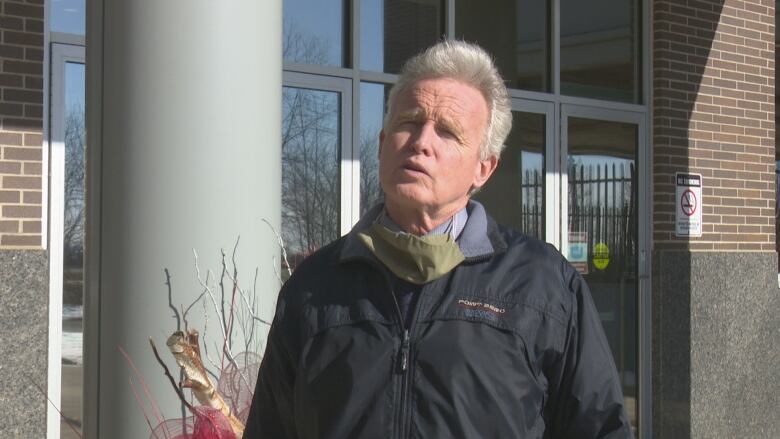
(470, 64)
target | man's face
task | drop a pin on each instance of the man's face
(429, 152)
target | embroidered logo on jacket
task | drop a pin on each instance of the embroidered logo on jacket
(482, 310)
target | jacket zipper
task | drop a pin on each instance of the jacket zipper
(405, 406)
(403, 414)
(404, 354)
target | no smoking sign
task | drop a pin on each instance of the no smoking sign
(688, 215)
(688, 202)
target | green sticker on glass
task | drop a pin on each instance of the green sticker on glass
(600, 256)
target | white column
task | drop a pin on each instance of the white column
(184, 114)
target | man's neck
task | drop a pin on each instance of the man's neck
(419, 222)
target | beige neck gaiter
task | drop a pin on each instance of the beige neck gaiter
(415, 259)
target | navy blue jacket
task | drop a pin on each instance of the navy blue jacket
(507, 345)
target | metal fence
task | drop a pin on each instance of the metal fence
(532, 207)
(602, 203)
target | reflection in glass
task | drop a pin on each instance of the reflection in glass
(600, 47)
(516, 33)
(311, 142)
(514, 195)
(372, 105)
(73, 246)
(314, 32)
(393, 31)
(603, 217)
(68, 16)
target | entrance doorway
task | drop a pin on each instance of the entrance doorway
(580, 188)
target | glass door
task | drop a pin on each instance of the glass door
(582, 191)
(601, 208)
(521, 193)
(319, 199)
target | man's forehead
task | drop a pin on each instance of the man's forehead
(442, 94)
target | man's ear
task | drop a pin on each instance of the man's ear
(484, 170)
(381, 141)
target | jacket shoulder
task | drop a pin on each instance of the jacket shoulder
(540, 254)
(312, 270)
(539, 270)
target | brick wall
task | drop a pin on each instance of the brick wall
(21, 122)
(713, 114)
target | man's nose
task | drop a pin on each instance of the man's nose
(423, 142)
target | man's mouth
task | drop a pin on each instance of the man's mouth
(414, 168)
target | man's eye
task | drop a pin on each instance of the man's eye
(446, 133)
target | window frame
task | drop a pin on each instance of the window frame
(61, 54)
(349, 172)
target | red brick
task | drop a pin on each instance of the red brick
(23, 38)
(9, 226)
(23, 10)
(33, 139)
(33, 110)
(21, 240)
(10, 167)
(17, 124)
(33, 54)
(12, 23)
(31, 227)
(33, 168)
(11, 109)
(21, 211)
(8, 51)
(12, 197)
(32, 197)
(15, 95)
(33, 25)
(16, 182)
(22, 153)
(33, 82)
(10, 139)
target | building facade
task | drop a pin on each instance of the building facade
(643, 147)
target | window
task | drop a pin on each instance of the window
(393, 31)
(600, 49)
(516, 33)
(314, 32)
(68, 16)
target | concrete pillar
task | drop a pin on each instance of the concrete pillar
(184, 121)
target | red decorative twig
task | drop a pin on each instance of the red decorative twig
(140, 404)
(155, 408)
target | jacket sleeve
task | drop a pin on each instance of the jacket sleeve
(271, 414)
(586, 400)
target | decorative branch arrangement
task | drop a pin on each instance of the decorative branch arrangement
(223, 387)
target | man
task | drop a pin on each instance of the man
(428, 320)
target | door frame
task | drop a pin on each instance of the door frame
(61, 54)
(349, 155)
(551, 165)
(644, 299)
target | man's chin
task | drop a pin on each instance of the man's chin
(409, 197)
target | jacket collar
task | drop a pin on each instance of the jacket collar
(479, 238)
